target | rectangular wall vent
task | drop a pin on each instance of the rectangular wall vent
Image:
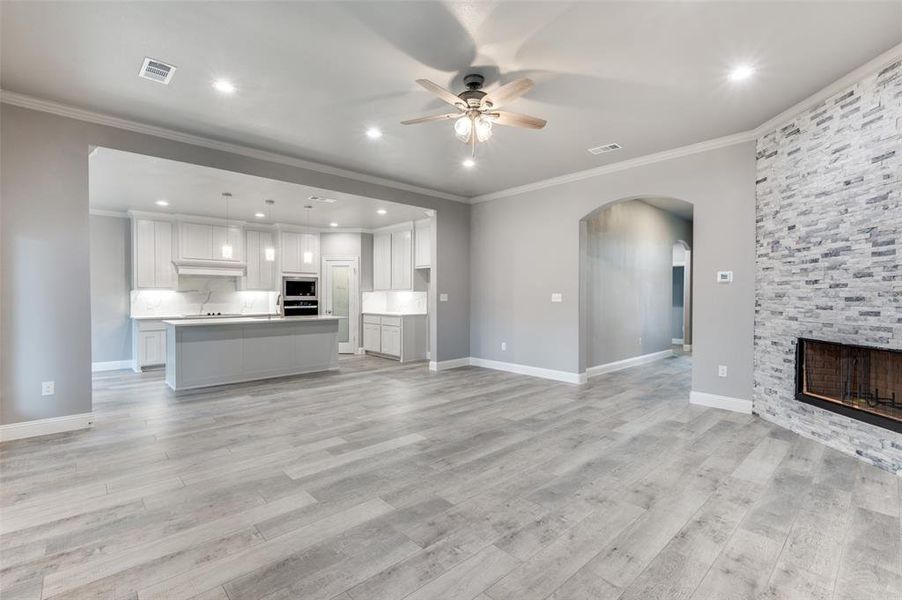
(322, 199)
(156, 71)
(605, 148)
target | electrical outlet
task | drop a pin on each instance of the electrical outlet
(503, 346)
(443, 297)
(640, 340)
(47, 388)
(721, 370)
(557, 297)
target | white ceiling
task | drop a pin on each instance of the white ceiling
(312, 76)
(121, 181)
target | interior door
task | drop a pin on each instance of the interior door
(340, 299)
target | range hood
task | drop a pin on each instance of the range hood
(210, 268)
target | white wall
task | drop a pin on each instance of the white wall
(526, 246)
(111, 332)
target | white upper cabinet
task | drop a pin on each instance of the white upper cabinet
(393, 258)
(152, 249)
(422, 243)
(300, 252)
(196, 241)
(401, 260)
(382, 263)
(260, 272)
(205, 242)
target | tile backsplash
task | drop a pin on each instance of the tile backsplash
(405, 302)
(200, 295)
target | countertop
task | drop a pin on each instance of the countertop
(243, 320)
(179, 317)
(386, 313)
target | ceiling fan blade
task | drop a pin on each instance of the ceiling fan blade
(508, 92)
(513, 119)
(441, 92)
(431, 118)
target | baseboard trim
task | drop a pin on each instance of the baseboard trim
(112, 365)
(361, 351)
(676, 341)
(626, 363)
(444, 365)
(29, 429)
(725, 402)
(565, 376)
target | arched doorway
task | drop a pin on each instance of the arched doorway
(627, 281)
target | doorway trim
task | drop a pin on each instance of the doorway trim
(349, 347)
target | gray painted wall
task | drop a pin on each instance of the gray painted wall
(527, 246)
(629, 280)
(111, 332)
(45, 247)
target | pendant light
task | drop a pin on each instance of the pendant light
(307, 255)
(227, 247)
(269, 253)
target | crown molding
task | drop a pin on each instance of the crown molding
(872, 66)
(632, 163)
(102, 212)
(80, 114)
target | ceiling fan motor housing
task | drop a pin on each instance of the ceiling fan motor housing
(473, 95)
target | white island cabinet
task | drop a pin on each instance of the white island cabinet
(208, 352)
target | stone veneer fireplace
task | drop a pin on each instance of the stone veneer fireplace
(829, 266)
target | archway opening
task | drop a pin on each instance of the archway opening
(635, 282)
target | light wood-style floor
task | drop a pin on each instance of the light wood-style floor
(388, 481)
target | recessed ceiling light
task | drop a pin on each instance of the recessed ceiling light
(382, 211)
(741, 72)
(259, 215)
(373, 133)
(161, 203)
(469, 163)
(333, 224)
(224, 86)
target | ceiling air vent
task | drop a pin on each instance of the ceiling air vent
(156, 71)
(322, 199)
(605, 148)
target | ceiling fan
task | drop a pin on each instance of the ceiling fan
(476, 111)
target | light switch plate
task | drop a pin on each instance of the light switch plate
(721, 370)
(443, 297)
(47, 388)
(557, 297)
(725, 277)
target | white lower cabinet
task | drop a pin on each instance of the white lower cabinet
(148, 344)
(372, 337)
(403, 337)
(391, 340)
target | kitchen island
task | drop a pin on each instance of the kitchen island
(216, 351)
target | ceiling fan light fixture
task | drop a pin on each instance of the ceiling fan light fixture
(483, 128)
(462, 128)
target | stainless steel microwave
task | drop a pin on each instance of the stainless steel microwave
(299, 287)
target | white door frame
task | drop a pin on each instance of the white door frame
(351, 346)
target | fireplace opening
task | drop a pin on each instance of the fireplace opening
(856, 381)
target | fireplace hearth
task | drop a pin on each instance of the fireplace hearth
(856, 381)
